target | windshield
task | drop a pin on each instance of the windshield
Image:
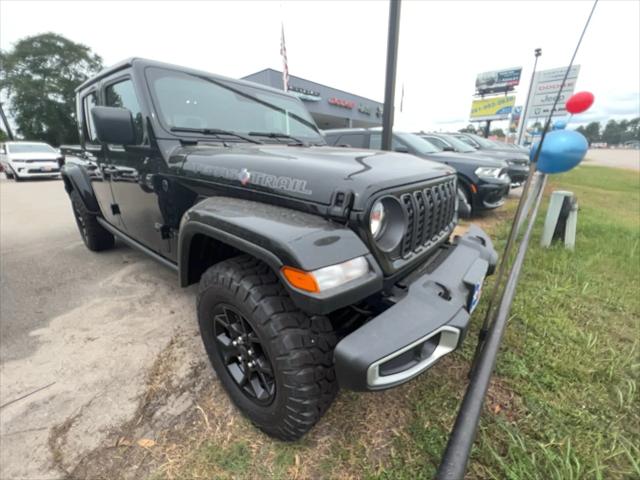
(419, 144)
(30, 148)
(457, 144)
(188, 101)
(483, 142)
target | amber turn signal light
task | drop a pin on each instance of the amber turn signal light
(300, 279)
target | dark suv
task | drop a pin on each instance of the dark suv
(483, 183)
(517, 160)
(317, 266)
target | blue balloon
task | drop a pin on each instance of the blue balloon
(560, 125)
(561, 151)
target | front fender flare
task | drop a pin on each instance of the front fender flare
(76, 177)
(280, 236)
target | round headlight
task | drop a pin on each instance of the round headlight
(388, 223)
(376, 219)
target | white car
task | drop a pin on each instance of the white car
(21, 160)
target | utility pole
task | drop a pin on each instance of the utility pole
(523, 119)
(390, 80)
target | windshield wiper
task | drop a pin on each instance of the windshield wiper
(214, 131)
(277, 135)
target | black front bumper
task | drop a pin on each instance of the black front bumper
(492, 193)
(427, 322)
(518, 172)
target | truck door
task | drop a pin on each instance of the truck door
(95, 161)
(134, 173)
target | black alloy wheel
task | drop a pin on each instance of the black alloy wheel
(80, 221)
(242, 354)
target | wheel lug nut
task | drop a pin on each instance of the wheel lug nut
(234, 343)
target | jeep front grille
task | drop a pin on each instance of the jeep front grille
(430, 216)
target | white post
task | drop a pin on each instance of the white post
(553, 215)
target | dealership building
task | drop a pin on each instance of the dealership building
(329, 107)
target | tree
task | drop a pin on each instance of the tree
(3, 136)
(498, 132)
(612, 133)
(468, 129)
(592, 132)
(633, 130)
(39, 77)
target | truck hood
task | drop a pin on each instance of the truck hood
(472, 159)
(506, 155)
(310, 174)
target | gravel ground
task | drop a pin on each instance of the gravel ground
(79, 334)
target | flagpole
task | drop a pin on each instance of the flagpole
(285, 73)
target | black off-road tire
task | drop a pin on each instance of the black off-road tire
(298, 347)
(94, 235)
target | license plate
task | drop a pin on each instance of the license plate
(474, 299)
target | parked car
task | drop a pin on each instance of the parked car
(512, 146)
(514, 158)
(318, 267)
(483, 183)
(22, 160)
(518, 168)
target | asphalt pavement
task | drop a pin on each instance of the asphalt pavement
(79, 332)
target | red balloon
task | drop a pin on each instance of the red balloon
(579, 102)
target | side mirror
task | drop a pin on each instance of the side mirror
(401, 149)
(114, 125)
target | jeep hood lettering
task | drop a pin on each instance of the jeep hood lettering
(311, 174)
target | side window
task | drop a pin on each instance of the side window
(437, 142)
(355, 140)
(376, 142)
(89, 102)
(122, 94)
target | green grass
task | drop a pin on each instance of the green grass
(564, 399)
(570, 354)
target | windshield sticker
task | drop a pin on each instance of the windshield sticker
(245, 177)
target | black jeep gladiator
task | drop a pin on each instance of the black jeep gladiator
(317, 266)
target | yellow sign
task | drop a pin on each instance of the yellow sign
(496, 108)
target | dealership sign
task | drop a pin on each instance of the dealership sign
(496, 108)
(497, 81)
(305, 93)
(340, 102)
(546, 85)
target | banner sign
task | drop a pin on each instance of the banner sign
(498, 81)
(546, 85)
(496, 108)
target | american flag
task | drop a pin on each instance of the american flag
(285, 66)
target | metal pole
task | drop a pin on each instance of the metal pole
(456, 455)
(390, 80)
(523, 120)
(487, 129)
(6, 123)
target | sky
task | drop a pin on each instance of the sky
(443, 44)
